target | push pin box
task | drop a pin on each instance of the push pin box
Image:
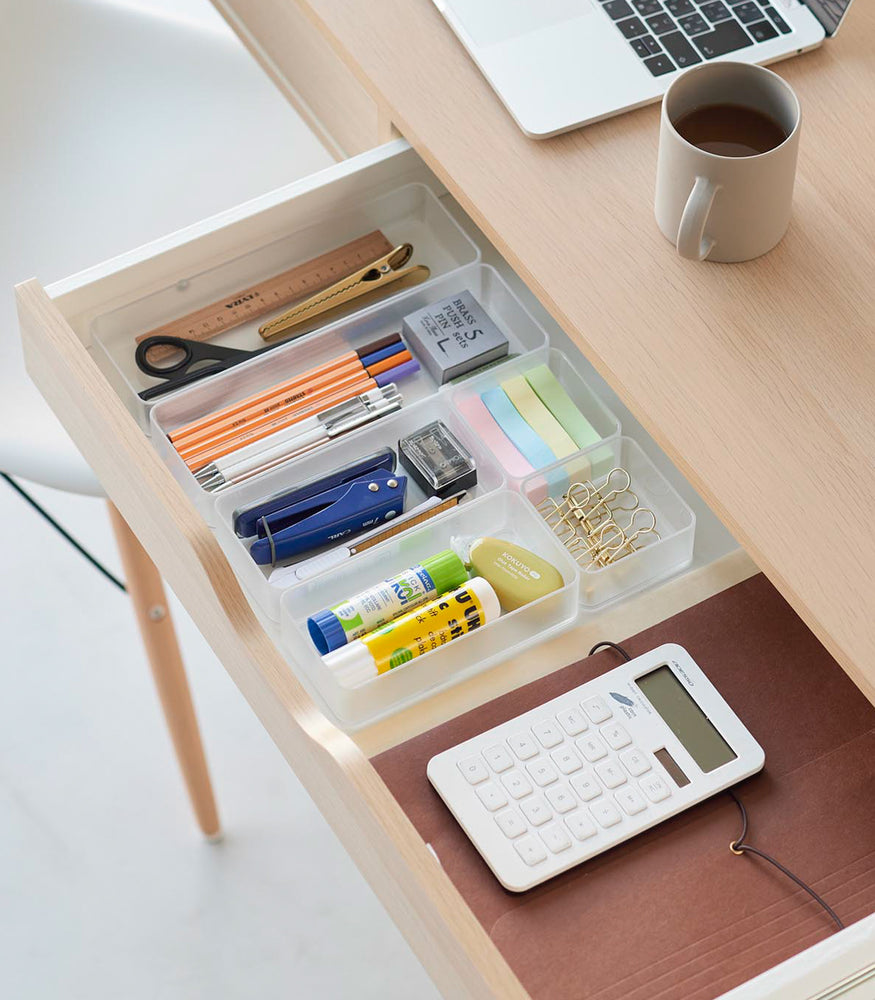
(454, 336)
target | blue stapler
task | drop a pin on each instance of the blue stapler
(326, 517)
(246, 520)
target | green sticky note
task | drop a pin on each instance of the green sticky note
(561, 405)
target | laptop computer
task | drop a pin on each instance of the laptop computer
(558, 64)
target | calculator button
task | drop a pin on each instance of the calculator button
(498, 758)
(635, 762)
(566, 760)
(596, 709)
(605, 813)
(572, 721)
(474, 770)
(491, 796)
(611, 774)
(536, 810)
(591, 747)
(630, 801)
(561, 799)
(510, 823)
(516, 783)
(531, 850)
(654, 788)
(581, 826)
(586, 786)
(555, 837)
(548, 733)
(523, 745)
(616, 736)
(542, 773)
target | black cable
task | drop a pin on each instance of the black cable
(65, 534)
(613, 645)
(738, 846)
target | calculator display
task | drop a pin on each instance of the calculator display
(685, 719)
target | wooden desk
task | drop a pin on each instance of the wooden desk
(757, 379)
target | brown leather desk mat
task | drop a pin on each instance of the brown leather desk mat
(672, 914)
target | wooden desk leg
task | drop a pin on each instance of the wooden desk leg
(146, 590)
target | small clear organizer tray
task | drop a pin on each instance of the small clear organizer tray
(503, 504)
(502, 514)
(410, 214)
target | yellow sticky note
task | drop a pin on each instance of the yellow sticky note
(538, 417)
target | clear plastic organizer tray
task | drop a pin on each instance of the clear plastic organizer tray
(657, 558)
(346, 449)
(602, 419)
(525, 335)
(411, 214)
(503, 514)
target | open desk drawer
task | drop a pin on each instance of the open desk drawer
(56, 325)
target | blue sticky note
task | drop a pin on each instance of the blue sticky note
(525, 439)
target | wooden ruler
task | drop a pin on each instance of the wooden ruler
(274, 293)
(404, 524)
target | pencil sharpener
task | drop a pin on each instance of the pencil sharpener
(437, 461)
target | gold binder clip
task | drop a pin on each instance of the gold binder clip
(588, 518)
(373, 280)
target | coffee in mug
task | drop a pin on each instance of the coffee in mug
(729, 137)
(730, 130)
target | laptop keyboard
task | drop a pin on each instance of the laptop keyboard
(674, 34)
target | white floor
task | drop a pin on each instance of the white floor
(106, 888)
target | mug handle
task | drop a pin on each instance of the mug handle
(692, 241)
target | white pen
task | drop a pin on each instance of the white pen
(291, 441)
(283, 576)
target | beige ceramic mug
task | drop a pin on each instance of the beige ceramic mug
(726, 208)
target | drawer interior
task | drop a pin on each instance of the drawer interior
(410, 213)
(392, 190)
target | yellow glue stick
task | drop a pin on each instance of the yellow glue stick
(428, 627)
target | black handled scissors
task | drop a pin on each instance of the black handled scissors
(198, 361)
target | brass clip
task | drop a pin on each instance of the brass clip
(369, 282)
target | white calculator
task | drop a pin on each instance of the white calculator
(594, 767)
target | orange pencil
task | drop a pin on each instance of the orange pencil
(223, 429)
(204, 458)
(265, 409)
(343, 360)
(233, 435)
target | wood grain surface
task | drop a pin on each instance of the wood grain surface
(758, 379)
(309, 74)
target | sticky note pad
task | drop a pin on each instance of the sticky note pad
(560, 404)
(482, 421)
(538, 417)
(525, 439)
